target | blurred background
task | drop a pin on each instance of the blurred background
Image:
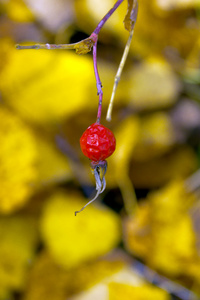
(141, 239)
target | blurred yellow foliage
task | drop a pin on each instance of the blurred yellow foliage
(53, 166)
(183, 4)
(171, 202)
(61, 283)
(174, 26)
(118, 291)
(192, 62)
(156, 136)
(52, 14)
(46, 95)
(155, 172)
(93, 16)
(73, 240)
(118, 173)
(18, 11)
(17, 247)
(18, 158)
(162, 231)
(152, 84)
(174, 247)
(45, 89)
(127, 135)
(4, 294)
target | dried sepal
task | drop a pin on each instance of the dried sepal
(85, 46)
(99, 170)
(131, 15)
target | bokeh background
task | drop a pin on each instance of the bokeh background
(141, 239)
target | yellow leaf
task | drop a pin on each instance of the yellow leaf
(53, 166)
(47, 86)
(5, 293)
(178, 4)
(138, 231)
(93, 15)
(17, 247)
(126, 135)
(173, 27)
(152, 84)
(193, 58)
(18, 11)
(118, 291)
(61, 283)
(18, 157)
(171, 202)
(162, 232)
(180, 162)
(156, 136)
(118, 165)
(174, 247)
(73, 240)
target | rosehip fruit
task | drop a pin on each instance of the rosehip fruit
(97, 142)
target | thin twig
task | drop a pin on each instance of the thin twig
(47, 46)
(118, 75)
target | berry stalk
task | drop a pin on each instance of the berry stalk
(98, 83)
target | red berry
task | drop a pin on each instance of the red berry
(97, 142)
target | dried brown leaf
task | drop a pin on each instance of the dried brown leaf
(131, 15)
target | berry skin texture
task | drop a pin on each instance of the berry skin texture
(97, 142)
